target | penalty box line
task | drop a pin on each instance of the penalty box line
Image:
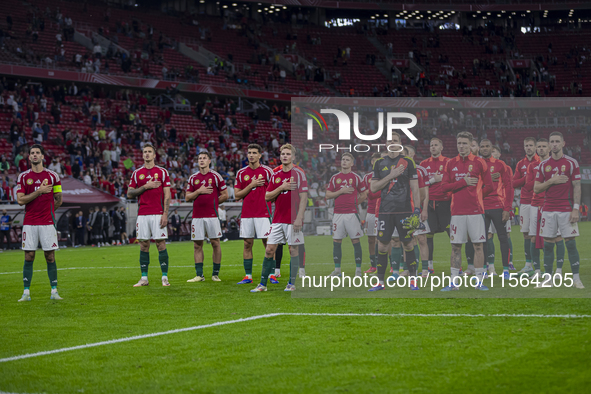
(258, 317)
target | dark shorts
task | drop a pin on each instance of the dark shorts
(387, 222)
(439, 216)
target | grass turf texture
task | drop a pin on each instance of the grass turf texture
(283, 353)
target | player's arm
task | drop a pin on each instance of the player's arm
(299, 220)
(330, 195)
(164, 218)
(272, 195)
(540, 187)
(416, 195)
(448, 186)
(362, 196)
(378, 184)
(574, 216)
(509, 192)
(133, 193)
(57, 200)
(223, 196)
(424, 196)
(487, 181)
(24, 199)
(518, 179)
(241, 193)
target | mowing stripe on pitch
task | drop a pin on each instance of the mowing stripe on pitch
(223, 323)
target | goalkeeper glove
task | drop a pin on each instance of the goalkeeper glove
(413, 222)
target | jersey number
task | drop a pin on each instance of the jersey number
(24, 235)
(543, 222)
(454, 228)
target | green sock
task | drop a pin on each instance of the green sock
(199, 269)
(144, 262)
(490, 252)
(417, 255)
(372, 260)
(395, 258)
(337, 254)
(163, 259)
(573, 255)
(52, 273)
(216, 269)
(425, 264)
(358, 254)
(27, 274)
(470, 253)
(535, 254)
(248, 266)
(527, 249)
(560, 251)
(510, 248)
(268, 266)
(548, 256)
(294, 264)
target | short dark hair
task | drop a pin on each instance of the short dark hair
(149, 145)
(255, 146)
(206, 153)
(558, 133)
(496, 147)
(465, 134)
(543, 140)
(486, 140)
(410, 147)
(531, 139)
(376, 155)
(41, 148)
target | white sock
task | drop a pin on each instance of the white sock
(559, 271)
(250, 276)
(576, 277)
(26, 292)
(144, 278)
(53, 291)
(277, 271)
(539, 272)
(430, 264)
(528, 265)
(382, 282)
(455, 272)
(471, 267)
(480, 275)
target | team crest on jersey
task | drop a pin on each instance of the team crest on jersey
(196, 181)
(563, 168)
(277, 180)
(452, 237)
(193, 236)
(548, 168)
(29, 181)
(470, 167)
(350, 181)
(492, 168)
(246, 177)
(23, 244)
(155, 176)
(440, 168)
(142, 176)
(338, 181)
(210, 181)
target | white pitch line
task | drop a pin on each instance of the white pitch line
(223, 323)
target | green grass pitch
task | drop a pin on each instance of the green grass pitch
(282, 353)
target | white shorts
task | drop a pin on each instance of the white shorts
(202, 225)
(255, 227)
(282, 233)
(557, 223)
(464, 226)
(148, 227)
(344, 224)
(524, 217)
(533, 221)
(47, 235)
(493, 230)
(371, 225)
(427, 230)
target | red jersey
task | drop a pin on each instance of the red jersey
(40, 211)
(206, 205)
(151, 202)
(436, 166)
(559, 198)
(520, 176)
(372, 198)
(346, 203)
(254, 204)
(496, 199)
(537, 200)
(466, 200)
(423, 177)
(288, 201)
(280, 167)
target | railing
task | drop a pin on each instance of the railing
(528, 122)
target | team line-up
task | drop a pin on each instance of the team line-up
(463, 196)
